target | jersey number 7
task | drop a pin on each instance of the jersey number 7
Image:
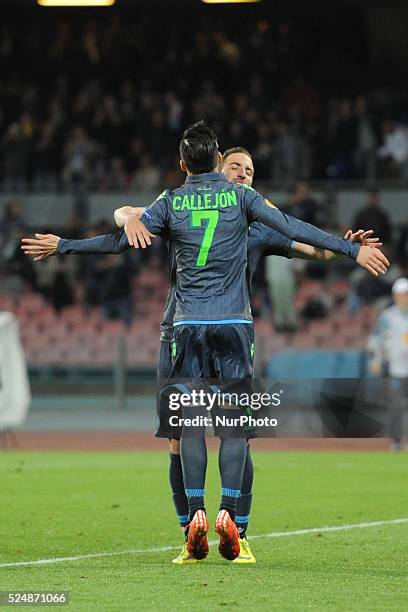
(197, 216)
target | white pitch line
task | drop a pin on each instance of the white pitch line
(140, 551)
(281, 534)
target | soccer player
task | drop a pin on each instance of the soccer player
(237, 166)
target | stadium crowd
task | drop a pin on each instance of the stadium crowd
(313, 108)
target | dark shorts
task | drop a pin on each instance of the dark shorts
(219, 351)
(218, 355)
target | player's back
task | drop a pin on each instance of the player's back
(262, 241)
(208, 228)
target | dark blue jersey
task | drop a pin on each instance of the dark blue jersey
(262, 241)
(116, 242)
(207, 222)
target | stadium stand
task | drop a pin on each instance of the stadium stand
(93, 122)
(308, 110)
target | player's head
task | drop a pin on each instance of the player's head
(199, 149)
(400, 293)
(237, 165)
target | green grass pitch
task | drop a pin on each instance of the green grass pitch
(71, 504)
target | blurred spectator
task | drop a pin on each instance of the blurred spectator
(262, 152)
(108, 122)
(112, 178)
(46, 158)
(365, 151)
(281, 281)
(394, 151)
(114, 276)
(78, 154)
(12, 219)
(290, 154)
(73, 226)
(147, 176)
(388, 349)
(303, 102)
(174, 112)
(366, 291)
(118, 179)
(302, 205)
(343, 141)
(89, 273)
(18, 271)
(401, 248)
(372, 216)
(16, 155)
(61, 291)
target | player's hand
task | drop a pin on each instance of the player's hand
(137, 234)
(138, 211)
(121, 214)
(365, 238)
(41, 247)
(373, 260)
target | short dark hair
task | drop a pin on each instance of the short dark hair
(236, 150)
(199, 148)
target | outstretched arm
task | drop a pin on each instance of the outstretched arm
(306, 251)
(47, 245)
(259, 210)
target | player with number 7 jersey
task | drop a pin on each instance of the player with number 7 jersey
(206, 221)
